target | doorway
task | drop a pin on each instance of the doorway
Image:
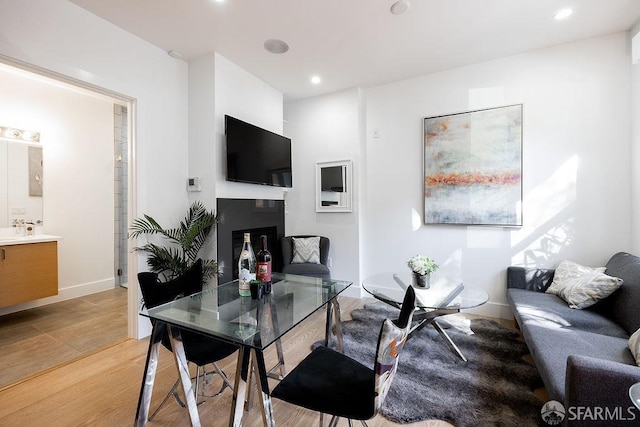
(91, 295)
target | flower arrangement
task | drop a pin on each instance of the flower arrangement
(422, 265)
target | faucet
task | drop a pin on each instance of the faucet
(19, 226)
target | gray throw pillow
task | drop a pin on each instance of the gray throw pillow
(581, 286)
(306, 250)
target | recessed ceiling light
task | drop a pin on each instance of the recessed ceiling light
(562, 14)
(400, 7)
(276, 46)
(316, 80)
(174, 54)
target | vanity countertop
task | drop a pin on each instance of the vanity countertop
(21, 240)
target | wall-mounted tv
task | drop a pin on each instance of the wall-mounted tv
(256, 155)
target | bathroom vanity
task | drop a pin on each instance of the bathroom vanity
(28, 268)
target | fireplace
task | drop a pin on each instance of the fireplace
(255, 216)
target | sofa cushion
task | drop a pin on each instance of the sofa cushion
(311, 270)
(581, 286)
(550, 349)
(552, 312)
(634, 346)
(623, 306)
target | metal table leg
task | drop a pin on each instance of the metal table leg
(185, 378)
(338, 323)
(333, 316)
(151, 365)
(260, 373)
(448, 339)
(240, 387)
(430, 318)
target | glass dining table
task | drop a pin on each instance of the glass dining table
(220, 312)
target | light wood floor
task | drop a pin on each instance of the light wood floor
(34, 340)
(102, 389)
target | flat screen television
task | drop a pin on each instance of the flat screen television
(256, 155)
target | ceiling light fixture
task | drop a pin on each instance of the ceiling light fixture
(562, 14)
(19, 134)
(400, 7)
(276, 46)
(316, 80)
(174, 54)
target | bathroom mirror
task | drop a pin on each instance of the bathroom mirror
(334, 186)
(20, 182)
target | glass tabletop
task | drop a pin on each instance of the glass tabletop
(442, 293)
(222, 313)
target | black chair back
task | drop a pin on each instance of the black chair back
(156, 293)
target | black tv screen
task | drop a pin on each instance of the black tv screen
(256, 155)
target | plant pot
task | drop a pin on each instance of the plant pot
(421, 280)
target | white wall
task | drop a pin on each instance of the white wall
(218, 87)
(78, 176)
(577, 146)
(243, 96)
(326, 128)
(576, 173)
(635, 146)
(60, 36)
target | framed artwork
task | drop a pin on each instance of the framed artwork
(473, 167)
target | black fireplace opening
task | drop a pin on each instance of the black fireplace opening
(255, 216)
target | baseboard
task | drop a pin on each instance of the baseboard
(492, 309)
(64, 294)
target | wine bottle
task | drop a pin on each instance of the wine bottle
(246, 267)
(263, 271)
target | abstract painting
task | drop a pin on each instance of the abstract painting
(473, 167)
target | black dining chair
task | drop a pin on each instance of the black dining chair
(331, 383)
(198, 349)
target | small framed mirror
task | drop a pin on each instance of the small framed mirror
(334, 186)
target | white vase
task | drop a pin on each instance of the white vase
(421, 280)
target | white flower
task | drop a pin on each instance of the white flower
(420, 264)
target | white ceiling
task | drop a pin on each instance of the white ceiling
(359, 42)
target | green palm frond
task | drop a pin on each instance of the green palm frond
(186, 241)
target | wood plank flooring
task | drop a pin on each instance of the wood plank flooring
(34, 340)
(102, 389)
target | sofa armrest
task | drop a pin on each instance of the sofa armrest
(592, 382)
(532, 279)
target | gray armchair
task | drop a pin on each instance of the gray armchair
(305, 269)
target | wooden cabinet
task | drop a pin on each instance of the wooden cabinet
(27, 272)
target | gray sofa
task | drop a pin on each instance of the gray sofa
(582, 355)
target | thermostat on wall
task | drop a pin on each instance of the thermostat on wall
(193, 184)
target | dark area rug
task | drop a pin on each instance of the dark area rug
(494, 388)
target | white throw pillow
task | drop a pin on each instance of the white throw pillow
(634, 346)
(582, 286)
(306, 250)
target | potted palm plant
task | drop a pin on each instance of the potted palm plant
(185, 242)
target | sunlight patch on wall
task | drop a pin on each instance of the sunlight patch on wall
(548, 219)
(416, 221)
